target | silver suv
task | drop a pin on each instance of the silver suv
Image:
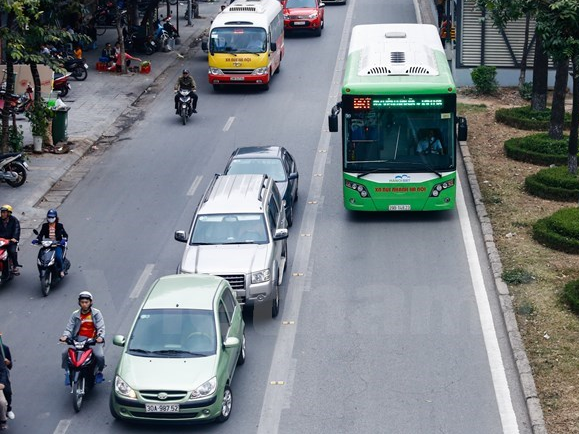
(239, 232)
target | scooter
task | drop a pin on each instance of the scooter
(169, 27)
(48, 272)
(17, 104)
(77, 67)
(5, 262)
(61, 84)
(185, 104)
(82, 369)
(13, 169)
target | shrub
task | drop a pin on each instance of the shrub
(560, 231)
(538, 149)
(554, 183)
(570, 295)
(525, 118)
(15, 139)
(517, 276)
(526, 90)
(484, 79)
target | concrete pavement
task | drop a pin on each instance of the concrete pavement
(96, 106)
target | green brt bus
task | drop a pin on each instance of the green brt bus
(399, 123)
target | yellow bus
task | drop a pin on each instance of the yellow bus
(246, 43)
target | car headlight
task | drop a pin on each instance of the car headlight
(123, 389)
(206, 389)
(286, 17)
(215, 71)
(313, 15)
(260, 71)
(261, 276)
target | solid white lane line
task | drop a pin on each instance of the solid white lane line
(500, 383)
(195, 185)
(228, 123)
(142, 280)
(62, 426)
(277, 398)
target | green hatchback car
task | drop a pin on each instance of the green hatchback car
(181, 353)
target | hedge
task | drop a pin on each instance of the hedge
(554, 183)
(524, 118)
(538, 149)
(571, 295)
(560, 231)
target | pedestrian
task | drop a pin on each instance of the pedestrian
(7, 358)
(77, 51)
(4, 388)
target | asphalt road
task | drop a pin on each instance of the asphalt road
(389, 322)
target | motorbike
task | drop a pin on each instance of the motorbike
(61, 84)
(5, 262)
(77, 67)
(47, 270)
(185, 105)
(137, 40)
(160, 37)
(169, 27)
(16, 104)
(13, 169)
(82, 368)
(107, 16)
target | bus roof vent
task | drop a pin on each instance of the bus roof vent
(397, 58)
(246, 6)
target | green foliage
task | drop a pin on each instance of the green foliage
(517, 276)
(526, 90)
(16, 139)
(39, 116)
(554, 183)
(484, 79)
(538, 149)
(560, 231)
(525, 118)
(570, 295)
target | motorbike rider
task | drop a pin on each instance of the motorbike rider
(4, 387)
(10, 229)
(87, 322)
(186, 82)
(54, 230)
(7, 357)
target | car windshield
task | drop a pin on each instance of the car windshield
(300, 4)
(229, 229)
(248, 166)
(173, 333)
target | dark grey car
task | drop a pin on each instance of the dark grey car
(276, 162)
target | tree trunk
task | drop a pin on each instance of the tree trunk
(540, 76)
(9, 90)
(195, 7)
(572, 157)
(557, 124)
(36, 81)
(526, 48)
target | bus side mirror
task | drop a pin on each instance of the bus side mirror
(272, 46)
(333, 123)
(462, 129)
(204, 45)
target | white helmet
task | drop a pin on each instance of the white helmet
(85, 295)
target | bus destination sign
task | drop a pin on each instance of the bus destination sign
(369, 103)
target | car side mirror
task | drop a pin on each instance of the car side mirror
(280, 234)
(292, 176)
(272, 46)
(181, 236)
(231, 342)
(119, 340)
(204, 45)
(462, 129)
(322, 5)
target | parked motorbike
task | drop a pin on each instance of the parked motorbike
(48, 271)
(61, 84)
(169, 27)
(77, 67)
(82, 368)
(5, 262)
(13, 169)
(16, 104)
(185, 104)
(161, 37)
(106, 15)
(136, 39)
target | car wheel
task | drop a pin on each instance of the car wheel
(112, 409)
(241, 358)
(226, 405)
(318, 32)
(275, 302)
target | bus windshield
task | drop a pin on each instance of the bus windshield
(238, 40)
(401, 140)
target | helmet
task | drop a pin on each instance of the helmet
(85, 295)
(185, 71)
(6, 208)
(51, 213)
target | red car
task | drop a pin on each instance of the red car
(303, 14)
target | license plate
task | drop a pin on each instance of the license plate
(162, 408)
(399, 208)
(85, 66)
(299, 23)
(237, 78)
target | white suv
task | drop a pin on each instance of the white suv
(239, 232)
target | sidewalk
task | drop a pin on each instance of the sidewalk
(95, 105)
